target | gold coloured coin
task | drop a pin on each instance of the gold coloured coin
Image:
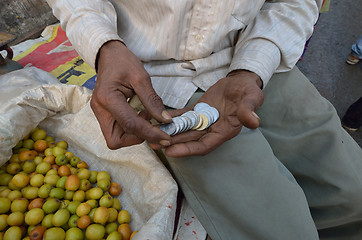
(204, 124)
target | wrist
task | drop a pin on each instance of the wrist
(248, 74)
(106, 49)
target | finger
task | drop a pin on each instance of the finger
(248, 118)
(145, 115)
(155, 146)
(188, 136)
(203, 146)
(113, 133)
(120, 139)
(129, 121)
(182, 138)
(134, 124)
(151, 101)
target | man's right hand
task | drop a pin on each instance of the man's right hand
(121, 75)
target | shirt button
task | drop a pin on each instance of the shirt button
(198, 38)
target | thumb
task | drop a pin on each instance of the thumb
(153, 103)
(249, 119)
(247, 111)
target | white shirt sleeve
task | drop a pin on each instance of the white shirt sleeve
(275, 40)
(88, 24)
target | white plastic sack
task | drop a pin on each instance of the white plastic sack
(31, 97)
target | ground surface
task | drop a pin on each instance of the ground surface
(324, 62)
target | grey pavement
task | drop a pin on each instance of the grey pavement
(324, 61)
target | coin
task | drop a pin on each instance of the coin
(201, 118)
(205, 111)
(204, 124)
(210, 112)
(184, 125)
(189, 124)
(169, 128)
(178, 123)
(200, 106)
(215, 113)
(193, 117)
(198, 124)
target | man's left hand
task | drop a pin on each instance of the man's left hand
(236, 97)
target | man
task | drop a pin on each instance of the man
(238, 174)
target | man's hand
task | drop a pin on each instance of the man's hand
(236, 97)
(121, 75)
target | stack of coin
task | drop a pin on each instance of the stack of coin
(200, 118)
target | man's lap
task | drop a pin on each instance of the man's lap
(243, 191)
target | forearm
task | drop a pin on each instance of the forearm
(88, 24)
(275, 40)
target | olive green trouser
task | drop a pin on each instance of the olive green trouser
(245, 189)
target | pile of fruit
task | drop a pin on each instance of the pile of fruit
(46, 192)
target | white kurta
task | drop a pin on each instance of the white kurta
(190, 44)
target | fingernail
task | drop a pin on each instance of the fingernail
(166, 115)
(255, 115)
(165, 143)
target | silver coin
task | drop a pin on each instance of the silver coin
(193, 117)
(189, 123)
(192, 120)
(215, 113)
(178, 123)
(183, 124)
(169, 128)
(200, 105)
(210, 118)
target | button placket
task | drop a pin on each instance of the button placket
(199, 22)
